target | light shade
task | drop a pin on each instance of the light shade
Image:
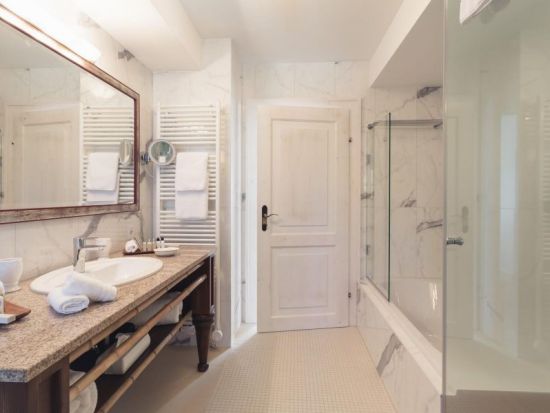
(32, 12)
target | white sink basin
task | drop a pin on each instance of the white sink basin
(114, 271)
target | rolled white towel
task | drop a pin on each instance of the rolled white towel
(95, 290)
(65, 303)
(131, 246)
(86, 401)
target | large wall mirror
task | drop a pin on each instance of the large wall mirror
(69, 140)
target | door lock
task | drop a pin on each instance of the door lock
(265, 216)
(455, 241)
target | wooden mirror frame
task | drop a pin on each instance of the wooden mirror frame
(37, 214)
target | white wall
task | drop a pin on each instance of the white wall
(45, 245)
(213, 83)
(290, 84)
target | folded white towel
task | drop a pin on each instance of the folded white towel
(192, 205)
(103, 196)
(471, 8)
(67, 303)
(86, 401)
(171, 318)
(125, 362)
(192, 171)
(102, 171)
(95, 290)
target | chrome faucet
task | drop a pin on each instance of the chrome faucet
(80, 246)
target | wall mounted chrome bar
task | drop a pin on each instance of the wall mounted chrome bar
(435, 123)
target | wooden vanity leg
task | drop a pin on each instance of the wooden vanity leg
(203, 327)
(203, 316)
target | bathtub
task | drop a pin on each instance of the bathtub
(409, 365)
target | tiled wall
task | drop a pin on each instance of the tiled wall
(45, 245)
(416, 205)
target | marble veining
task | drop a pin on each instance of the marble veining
(393, 345)
(408, 365)
(426, 225)
(38, 341)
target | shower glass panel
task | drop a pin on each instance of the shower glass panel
(497, 85)
(377, 195)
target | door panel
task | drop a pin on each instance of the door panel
(303, 256)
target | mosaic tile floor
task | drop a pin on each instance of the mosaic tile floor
(301, 371)
(313, 371)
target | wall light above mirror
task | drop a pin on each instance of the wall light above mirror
(69, 132)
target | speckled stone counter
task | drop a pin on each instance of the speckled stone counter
(31, 345)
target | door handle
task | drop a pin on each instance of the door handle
(265, 216)
(455, 241)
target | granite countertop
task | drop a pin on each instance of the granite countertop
(31, 345)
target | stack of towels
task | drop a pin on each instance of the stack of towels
(78, 291)
(102, 180)
(86, 401)
(192, 186)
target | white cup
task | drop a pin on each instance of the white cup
(10, 273)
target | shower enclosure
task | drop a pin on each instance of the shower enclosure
(497, 127)
(404, 204)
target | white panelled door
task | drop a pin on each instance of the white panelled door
(303, 254)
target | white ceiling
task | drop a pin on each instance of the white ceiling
(295, 30)
(158, 32)
(419, 58)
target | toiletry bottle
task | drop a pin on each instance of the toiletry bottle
(2, 297)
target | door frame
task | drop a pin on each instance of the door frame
(250, 267)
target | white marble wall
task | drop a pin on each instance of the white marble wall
(213, 83)
(318, 80)
(416, 205)
(45, 245)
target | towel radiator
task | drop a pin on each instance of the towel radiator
(102, 130)
(188, 128)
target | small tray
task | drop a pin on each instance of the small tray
(138, 252)
(17, 310)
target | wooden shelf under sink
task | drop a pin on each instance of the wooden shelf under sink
(112, 387)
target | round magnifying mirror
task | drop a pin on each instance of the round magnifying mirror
(162, 152)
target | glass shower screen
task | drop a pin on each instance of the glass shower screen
(497, 339)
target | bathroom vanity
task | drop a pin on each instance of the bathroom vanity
(36, 352)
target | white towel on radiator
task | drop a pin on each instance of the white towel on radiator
(191, 186)
(102, 171)
(471, 8)
(94, 289)
(67, 303)
(192, 205)
(192, 171)
(104, 197)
